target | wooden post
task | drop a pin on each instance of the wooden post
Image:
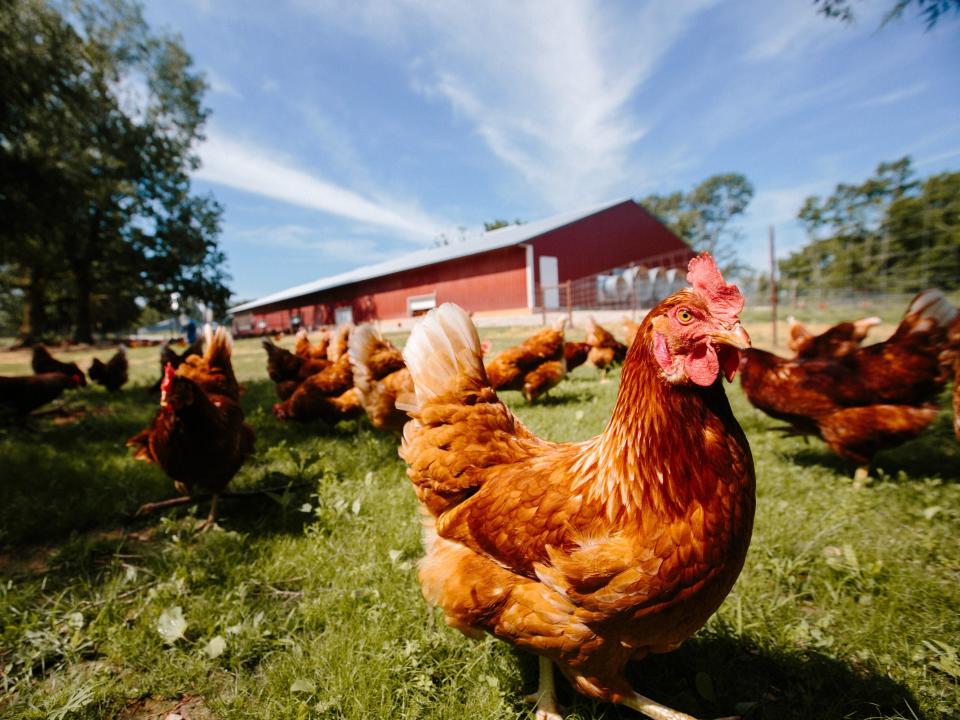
(773, 287)
(569, 289)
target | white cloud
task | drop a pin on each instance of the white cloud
(546, 85)
(307, 240)
(897, 95)
(219, 84)
(256, 170)
(790, 30)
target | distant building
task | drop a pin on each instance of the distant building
(512, 270)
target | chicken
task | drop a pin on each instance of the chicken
(509, 368)
(575, 354)
(338, 343)
(837, 341)
(199, 437)
(605, 350)
(288, 370)
(23, 395)
(324, 396)
(111, 374)
(169, 356)
(380, 377)
(304, 349)
(876, 397)
(594, 553)
(543, 378)
(630, 329)
(43, 362)
(954, 342)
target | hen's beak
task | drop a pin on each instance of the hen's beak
(735, 337)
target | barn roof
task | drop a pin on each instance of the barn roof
(490, 240)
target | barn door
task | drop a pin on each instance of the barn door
(550, 282)
(343, 315)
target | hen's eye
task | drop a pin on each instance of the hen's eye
(684, 315)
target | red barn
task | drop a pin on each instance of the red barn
(511, 270)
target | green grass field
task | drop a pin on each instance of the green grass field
(306, 605)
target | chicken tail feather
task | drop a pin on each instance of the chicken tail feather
(219, 348)
(363, 341)
(443, 352)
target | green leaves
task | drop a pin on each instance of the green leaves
(171, 624)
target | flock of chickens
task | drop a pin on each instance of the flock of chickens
(587, 554)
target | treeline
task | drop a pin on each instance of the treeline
(99, 118)
(890, 233)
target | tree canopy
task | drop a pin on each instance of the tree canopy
(703, 217)
(931, 10)
(890, 232)
(97, 128)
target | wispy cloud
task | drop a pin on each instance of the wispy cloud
(219, 84)
(307, 240)
(547, 85)
(789, 31)
(897, 95)
(256, 170)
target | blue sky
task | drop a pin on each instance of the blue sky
(345, 133)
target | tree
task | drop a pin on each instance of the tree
(890, 231)
(107, 204)
(497, 224)
(703, 217)
(932, 10)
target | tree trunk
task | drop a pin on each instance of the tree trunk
(82, 266)
(34, 322)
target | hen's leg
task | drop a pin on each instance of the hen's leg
(546, 695)
(211, 517)
(657, 711)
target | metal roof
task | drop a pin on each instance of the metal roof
(490, 240)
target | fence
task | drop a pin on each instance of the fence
(832, 286)
(631, 288)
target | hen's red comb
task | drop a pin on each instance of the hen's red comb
(725, 301)
(168, 373)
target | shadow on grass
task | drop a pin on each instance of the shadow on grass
(60, 478)
(710, 677)
(934, 454)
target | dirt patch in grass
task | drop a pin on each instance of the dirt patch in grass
(185, 708)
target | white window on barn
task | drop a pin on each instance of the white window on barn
(421, 304)
(343, 315)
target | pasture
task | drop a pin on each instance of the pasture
(305, 604)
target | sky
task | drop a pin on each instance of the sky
(347, 133)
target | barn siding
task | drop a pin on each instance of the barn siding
(494, 280)
(619, 236)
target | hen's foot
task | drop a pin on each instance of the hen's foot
(861, 477)
(164, 504)
(211, 518)
(545, 697)
(656, 711)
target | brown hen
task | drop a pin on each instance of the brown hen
(874, 398)
(43, 362)
(837, 341)
(199, 437)
(111, 374)
(605, 350)
(380, 377)
(22, 395)
(594, 553)
(323, 396)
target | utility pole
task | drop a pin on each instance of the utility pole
(773, 287)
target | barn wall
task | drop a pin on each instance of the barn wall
(491, 281)
(624, 234)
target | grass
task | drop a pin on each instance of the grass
(306, 604)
